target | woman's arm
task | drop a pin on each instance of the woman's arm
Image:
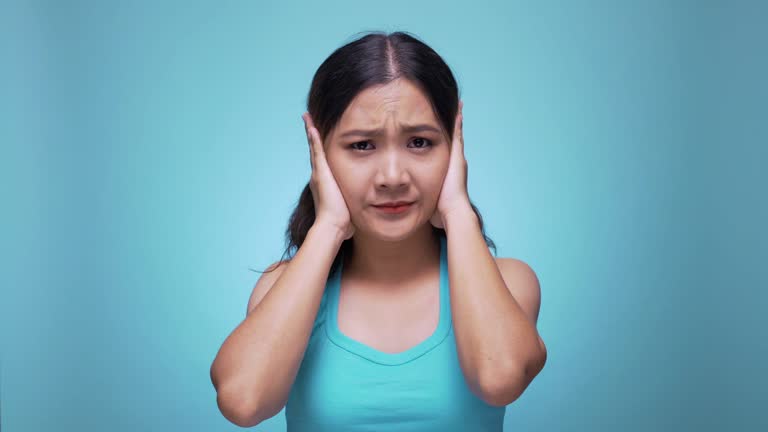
(257, 364)
(500, 350)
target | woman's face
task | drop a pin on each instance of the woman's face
(389, 146)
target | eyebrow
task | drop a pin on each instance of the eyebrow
(405, 129)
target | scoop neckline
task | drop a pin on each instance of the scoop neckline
(392, 359)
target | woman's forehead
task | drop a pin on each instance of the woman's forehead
(399, 96)
(398, 104)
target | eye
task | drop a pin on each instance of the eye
(424, 142)
(353, 145)
(421, 144)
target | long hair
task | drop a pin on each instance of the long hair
(374, 59)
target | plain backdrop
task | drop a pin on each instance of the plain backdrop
(153, 151)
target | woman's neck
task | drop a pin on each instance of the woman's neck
(393, 263)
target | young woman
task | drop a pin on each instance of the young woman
(392, 314)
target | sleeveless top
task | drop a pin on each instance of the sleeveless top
(345, 385)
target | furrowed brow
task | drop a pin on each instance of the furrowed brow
(406, 129)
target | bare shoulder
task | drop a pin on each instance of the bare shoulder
(522, 283)
(265, 282)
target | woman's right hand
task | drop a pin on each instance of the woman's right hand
(330, 207)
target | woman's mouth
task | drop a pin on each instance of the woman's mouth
(394, 209)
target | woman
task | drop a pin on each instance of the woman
(392, 314)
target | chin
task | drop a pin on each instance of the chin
(393, 232)
(394, 237)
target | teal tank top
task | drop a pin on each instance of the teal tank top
(345, 385)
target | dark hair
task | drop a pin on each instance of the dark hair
(374, 59)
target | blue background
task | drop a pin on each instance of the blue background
(153, 151)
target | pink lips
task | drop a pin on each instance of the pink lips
(395, 209)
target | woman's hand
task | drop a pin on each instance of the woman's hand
(454, 195)
(330, 207)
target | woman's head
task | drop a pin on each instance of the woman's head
(388, 146)
(383, 82)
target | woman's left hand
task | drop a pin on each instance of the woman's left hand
(454, 195)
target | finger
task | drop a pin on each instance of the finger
(310, 123)
(306, 119)
(458, 132)
(457, 126)
(309, 143)
(317, 146)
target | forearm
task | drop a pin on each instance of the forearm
(495, 339)
(260, 359)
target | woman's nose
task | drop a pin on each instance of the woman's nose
(393, 172)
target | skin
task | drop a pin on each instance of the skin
(389, 166)
(495, 302)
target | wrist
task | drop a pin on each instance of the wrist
(463, 216)
(329, 232)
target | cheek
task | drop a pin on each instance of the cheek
(438, 171)
(429, 185)
(347, 178)
(435, 185)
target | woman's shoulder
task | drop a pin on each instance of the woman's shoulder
(523, 283)
(514, 265)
